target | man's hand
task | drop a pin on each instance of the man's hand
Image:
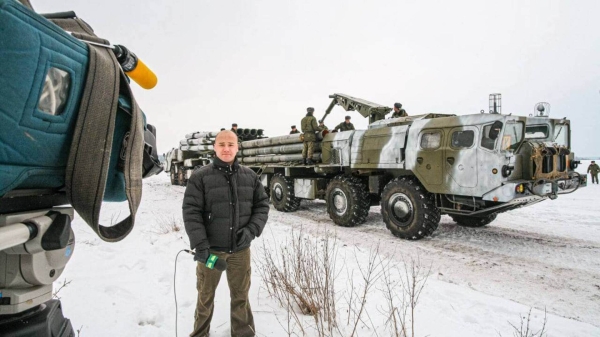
(244, 237)
(201, 255)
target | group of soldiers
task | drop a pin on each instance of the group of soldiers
(310, 127)
(234, 128)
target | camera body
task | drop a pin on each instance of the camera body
(73, 136)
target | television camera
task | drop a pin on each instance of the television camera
(39, 197)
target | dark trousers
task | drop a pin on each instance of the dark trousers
(238, 279)
(594, 177)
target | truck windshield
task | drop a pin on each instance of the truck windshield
(536, 131)
(489, 136)
(561, 134)
(513, 135)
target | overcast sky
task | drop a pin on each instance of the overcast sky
(261, 63)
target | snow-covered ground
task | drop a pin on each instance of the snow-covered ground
(546, 256)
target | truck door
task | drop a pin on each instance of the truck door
(460, 164)
(430, 156)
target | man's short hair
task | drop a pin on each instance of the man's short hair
(310, 109)
(234, 124)
(347, 117)
(226, 132)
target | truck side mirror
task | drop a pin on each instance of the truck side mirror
(495, 130)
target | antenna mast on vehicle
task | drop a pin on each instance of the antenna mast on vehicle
(495, 103)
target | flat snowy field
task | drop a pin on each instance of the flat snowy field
(482, 281)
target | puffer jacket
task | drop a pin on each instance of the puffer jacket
(219, 200)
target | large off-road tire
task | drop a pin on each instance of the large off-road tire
(282, 194)
(347, 201)
(408, 210)
(173, 175)
(473, 221)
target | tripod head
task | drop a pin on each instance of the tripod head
(35, 247)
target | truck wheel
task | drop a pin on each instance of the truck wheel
(347, 201)
(173, 176)
(282, 194)
(408, 210)
(473, 221)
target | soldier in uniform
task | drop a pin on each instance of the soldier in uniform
(234, 128)
(398, 111)
(309, 127)
(345, 125)
(321, 124)
(294, 130)
(593, 169)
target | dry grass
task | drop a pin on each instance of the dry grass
(402, 295)
(301, 272)
(358, 295)
(168, 224)
(300, 275)
(64, 284)
(525, 330)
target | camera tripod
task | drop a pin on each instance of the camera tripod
(35, 247)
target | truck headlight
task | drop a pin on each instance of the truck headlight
(520, 188)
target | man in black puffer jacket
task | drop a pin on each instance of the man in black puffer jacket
(224, 208)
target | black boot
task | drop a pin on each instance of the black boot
(309, 162)
(303, 161)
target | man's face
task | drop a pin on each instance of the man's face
(396, 109)
(347, 121)
(226, 146)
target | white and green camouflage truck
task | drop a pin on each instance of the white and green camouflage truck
(417, 168)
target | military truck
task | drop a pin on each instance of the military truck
(471, 167)
(197, 150)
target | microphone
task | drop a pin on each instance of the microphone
(134, 67)
(212, 262)
(131, 64)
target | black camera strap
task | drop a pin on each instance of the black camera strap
(89, 156)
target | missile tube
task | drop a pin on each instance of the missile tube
(277, 158)
(278, 149)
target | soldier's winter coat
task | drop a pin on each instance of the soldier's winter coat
(309, 127)
(399, 113)
(343, 126)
